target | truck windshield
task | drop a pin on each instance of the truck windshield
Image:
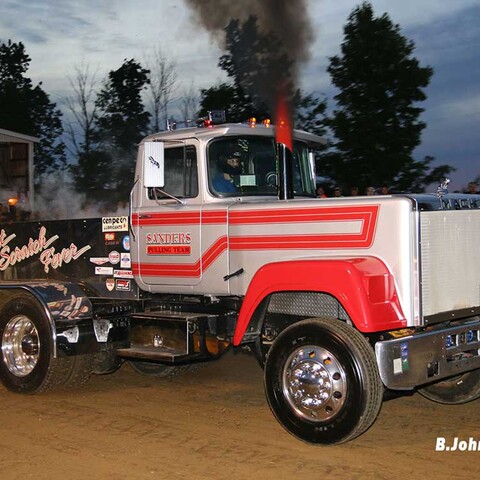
(247, 166)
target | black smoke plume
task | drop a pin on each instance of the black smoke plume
(266, 41)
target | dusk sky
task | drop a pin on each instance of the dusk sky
(61, 34)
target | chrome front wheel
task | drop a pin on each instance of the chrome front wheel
(20, 346)
(322, 381)
(314, 383)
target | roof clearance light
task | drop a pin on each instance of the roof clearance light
(266, 122)
(252, 121)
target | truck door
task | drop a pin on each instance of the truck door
(166, 240)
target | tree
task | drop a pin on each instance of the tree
(27, 109)
(121, 122)
(189, 104)
(376, 123)
(82, 107)
(259, 66)
(230, 98)
(162, 85)
(309, 113)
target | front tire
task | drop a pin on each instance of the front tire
(27, 364)
(455, 390)
(322, 381)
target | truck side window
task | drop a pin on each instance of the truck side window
(181, 179)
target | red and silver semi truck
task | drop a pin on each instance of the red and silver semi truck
(340, 299)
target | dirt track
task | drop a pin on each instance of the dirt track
(215, 424)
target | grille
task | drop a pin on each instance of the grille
(450, 260)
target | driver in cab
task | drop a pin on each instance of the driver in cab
(228, 166)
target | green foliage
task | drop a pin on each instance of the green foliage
(230, 98)
(256, 64)
(27, 109)
(309, 113)
(107, 171)
(376, 123)
(122, 119)
(93, 174)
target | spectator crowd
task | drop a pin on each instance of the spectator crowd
(337, 191)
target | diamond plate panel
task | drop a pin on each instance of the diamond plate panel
(307, 304)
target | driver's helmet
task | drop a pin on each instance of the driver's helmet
(231, 161)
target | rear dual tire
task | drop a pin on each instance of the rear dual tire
(27, 363)
(455, 390)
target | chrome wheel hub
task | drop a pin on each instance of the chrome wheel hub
(20, 346)
(314, 383)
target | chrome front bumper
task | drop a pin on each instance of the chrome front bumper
(407, 362)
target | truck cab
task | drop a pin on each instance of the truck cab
(181, 229)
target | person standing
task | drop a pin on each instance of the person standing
(472, 188)
(321, 192)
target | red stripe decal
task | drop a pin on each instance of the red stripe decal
(179, 218)
(183, 269)
(366, 214)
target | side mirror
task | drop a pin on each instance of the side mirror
(153, 164)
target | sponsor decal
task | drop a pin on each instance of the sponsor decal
(41, 246)
(123, 285)
(176, 243)
(111, 239)
(122, 274)
(126, 243)
(125, 260)
(115, 224)
(110, 284)
(168, 238)
(103, 270)
(114, 257)
(168, 249)
(99, 260)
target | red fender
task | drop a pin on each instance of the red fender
(363, 286)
